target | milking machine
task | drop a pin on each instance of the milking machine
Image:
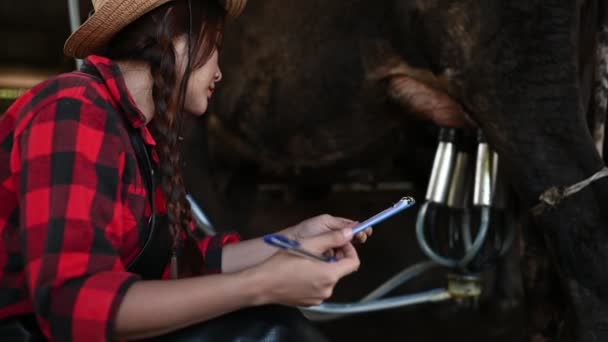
(201, 220)
(466, 190)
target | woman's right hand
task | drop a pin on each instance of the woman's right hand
(297, 281)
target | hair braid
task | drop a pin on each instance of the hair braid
(166, 125)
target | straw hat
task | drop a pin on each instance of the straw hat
(111, 16)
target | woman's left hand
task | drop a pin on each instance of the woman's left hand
(325, 223)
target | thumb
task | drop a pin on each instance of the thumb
(335, 223)
(326, 241)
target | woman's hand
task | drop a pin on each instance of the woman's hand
(245, 254)
(297, 281)
(323, 224)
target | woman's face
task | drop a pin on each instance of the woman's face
(201, 85)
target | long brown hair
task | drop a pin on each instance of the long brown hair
(150, 40)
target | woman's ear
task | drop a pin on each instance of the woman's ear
(180, 47)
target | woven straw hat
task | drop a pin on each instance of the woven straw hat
(111, 16)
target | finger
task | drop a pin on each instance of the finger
(364, 235)
(334, 222)
(349, 251)
(349, 263)
(343, 251)
(368, 233)
(361, 237)
(339, 254)
(330, 253)
(323, 242)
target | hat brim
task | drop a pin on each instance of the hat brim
(107, 20)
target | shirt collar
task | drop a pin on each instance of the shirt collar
(113, 79)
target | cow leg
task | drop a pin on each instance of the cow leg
(601, 89)
(529, 97)
(598, 111)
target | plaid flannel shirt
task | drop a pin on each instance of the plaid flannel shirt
(73, 204)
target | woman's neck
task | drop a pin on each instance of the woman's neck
(139, 81)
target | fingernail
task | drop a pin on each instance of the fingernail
(348, 233)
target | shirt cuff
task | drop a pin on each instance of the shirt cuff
(97, 305)
(211, 248)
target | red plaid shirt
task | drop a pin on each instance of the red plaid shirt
(73, 204)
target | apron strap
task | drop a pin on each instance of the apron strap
(151, 261)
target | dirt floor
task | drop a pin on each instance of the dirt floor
(392, 248)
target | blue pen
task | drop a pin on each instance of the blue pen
(404, 203)
(294, 247)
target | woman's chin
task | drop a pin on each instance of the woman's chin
(196, 111)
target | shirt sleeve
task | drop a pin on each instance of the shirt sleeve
(211, 247)
(72, 159)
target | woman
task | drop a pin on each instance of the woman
(77, 199)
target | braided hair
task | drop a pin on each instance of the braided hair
(150, 39)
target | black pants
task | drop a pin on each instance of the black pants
(21, 329)
(267, 323)
(259, 324)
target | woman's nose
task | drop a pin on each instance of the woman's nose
(218, 75)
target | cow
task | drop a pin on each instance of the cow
(315, 86)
